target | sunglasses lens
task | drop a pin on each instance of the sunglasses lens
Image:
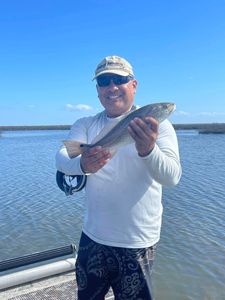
(104, 81)
(119, 80)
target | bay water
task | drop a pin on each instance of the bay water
(35, 215)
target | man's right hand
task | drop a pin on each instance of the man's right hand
(93, 159)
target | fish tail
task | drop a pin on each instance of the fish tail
(73, 148)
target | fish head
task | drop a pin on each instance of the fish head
(160, 111)
(168, 107)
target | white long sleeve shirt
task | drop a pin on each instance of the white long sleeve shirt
(123, 205)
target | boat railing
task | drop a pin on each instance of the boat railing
(28, 268)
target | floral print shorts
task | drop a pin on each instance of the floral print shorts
(126, 270)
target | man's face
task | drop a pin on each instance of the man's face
(117, 99)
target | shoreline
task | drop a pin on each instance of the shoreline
(201, 127)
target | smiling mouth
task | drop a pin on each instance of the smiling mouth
(113, 97)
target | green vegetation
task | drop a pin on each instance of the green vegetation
(35, 127)
(202, 128)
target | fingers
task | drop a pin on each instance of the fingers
(96, 154)
(138, 129)
(94, 159)
(143, 129)
(154, 124)
(144, 132)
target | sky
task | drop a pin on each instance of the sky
(49, 50)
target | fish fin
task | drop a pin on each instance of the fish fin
(73, 148)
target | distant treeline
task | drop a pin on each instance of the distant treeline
(201, 127)
(35, 127)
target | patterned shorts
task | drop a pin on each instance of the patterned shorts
(127, 270)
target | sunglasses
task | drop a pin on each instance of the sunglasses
(104, 80)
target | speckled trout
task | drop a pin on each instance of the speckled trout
(116, 136)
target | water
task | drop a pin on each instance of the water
(35, 215)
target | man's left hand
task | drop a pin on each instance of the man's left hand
(144, 132)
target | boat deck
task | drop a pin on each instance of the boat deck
(60, 287)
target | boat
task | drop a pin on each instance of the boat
(49, 274)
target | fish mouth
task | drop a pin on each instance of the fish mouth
(170, 106)
(173, 107)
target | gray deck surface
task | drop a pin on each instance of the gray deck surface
(62, 287)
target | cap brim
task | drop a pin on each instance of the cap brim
(117, 72)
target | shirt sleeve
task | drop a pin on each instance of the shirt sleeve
(164, 160)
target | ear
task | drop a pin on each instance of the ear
(134, 84)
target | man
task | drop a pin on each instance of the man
(123, 208)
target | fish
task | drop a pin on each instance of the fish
(116, 136)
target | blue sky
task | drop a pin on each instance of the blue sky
(50, 48)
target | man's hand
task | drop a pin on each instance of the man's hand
(93, 159)
(144, 132)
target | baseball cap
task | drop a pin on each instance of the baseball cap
(115, 65)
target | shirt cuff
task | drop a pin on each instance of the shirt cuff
(150, 154)
(82, 172)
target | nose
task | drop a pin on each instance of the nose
(112, 85)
